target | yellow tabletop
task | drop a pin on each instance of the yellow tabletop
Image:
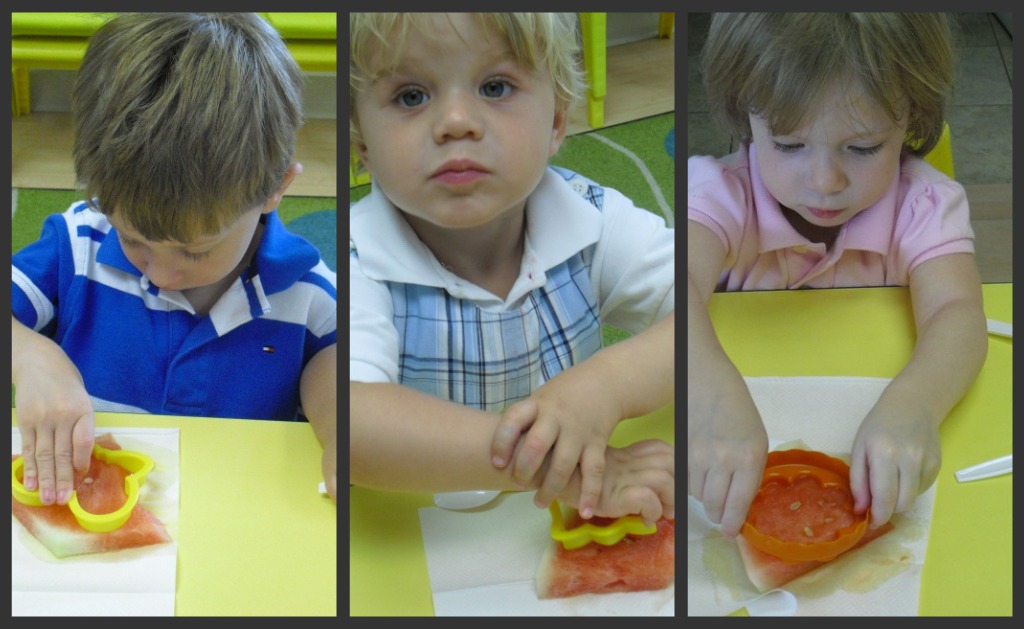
(968, 568)
(255, 537)
(387, 561)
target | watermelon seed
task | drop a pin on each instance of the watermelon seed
(827, 520)
(794, 506)
(808, 531)
(86, 480)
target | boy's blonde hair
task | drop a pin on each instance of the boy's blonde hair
(539, 41)
(184, 121)
(779, 65)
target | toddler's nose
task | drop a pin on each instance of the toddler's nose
(827, 176)
(457, 119)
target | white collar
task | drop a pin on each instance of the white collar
(559, 223)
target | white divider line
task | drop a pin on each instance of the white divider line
(659, 197)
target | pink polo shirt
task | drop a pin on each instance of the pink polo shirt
(923, 215)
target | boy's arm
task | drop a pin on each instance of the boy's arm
(577, 411)
(55, 414)
(896, 453)
(403, 440)
(318, 390)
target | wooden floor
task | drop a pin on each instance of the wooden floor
(641, 83)
(41, 155)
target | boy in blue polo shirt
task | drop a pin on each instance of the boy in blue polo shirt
(174, 288)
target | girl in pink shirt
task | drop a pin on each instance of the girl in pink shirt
(828, 189)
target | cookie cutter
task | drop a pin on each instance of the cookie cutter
(606, 535)
(788, 466)
(138, 466)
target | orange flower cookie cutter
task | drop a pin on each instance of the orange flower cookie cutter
(788, 466)
(138, 466)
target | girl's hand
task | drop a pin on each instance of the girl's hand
(574, 424)
(55, 418)
(896, 456)
(726, 451)
(639, 479)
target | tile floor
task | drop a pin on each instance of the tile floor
(980, 118)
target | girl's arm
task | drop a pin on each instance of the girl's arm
(726, 441)
(896, 453)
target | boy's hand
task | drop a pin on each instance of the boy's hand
(638, 479)
(571, 423)
(896, 456)
(726, 451)
(329, 465)
(56, 422)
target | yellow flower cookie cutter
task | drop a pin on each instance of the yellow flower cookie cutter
(138, 466)
(607, 535)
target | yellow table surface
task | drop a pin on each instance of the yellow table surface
(255, 537)
(387, 561)
(968, 568)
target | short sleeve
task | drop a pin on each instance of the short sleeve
(36, 272)
(719, 197)
(373, 339)
(634, 265)
(934, 220)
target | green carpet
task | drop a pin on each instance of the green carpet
(636, 158)
(314, 218)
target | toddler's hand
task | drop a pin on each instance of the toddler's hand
(896, 456)
(726, 452)
(639, 479)
(574, 429)
(56, 422)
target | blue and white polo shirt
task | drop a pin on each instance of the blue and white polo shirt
(142, 349)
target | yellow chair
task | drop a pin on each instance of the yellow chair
(941, 156)
(57, 41)
(593, 28)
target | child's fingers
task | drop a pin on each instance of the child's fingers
(82, 437)
(859, 480)
(592, 466)
(63, 455)
(563, 463)
(742, 490)
(44, 464)
(884, 482)
(30, 475)
(535, 446)
(512, 423)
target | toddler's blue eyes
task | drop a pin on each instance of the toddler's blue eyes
(411, 98)
(495, 89)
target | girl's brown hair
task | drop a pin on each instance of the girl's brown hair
(779, 65)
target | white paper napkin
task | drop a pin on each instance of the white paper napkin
(883, 578)
(132, 582)
(483, 563)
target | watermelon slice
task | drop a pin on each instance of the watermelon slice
(100, 490)
(636, 563)
(767, 571)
